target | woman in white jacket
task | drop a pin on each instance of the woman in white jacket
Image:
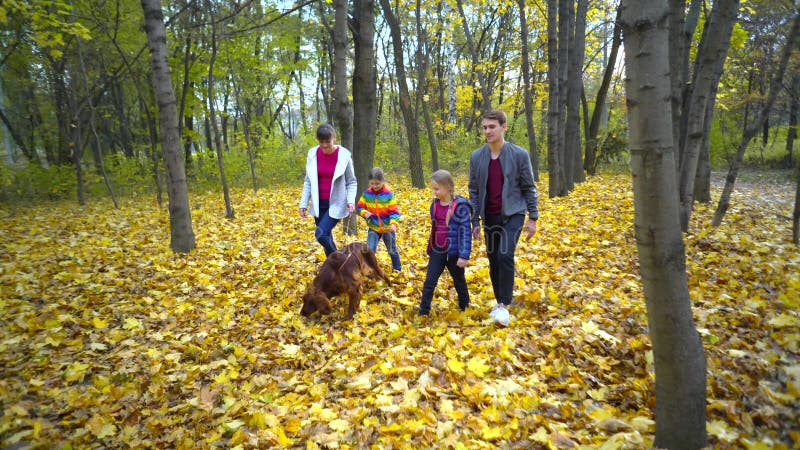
(330, 185)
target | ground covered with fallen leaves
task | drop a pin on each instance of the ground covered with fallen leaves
(109, 340)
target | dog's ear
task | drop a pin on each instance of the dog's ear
(323, 305)
(309, 305)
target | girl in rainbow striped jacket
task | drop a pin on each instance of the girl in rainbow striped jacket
(378, 206)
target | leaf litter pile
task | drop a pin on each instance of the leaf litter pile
(108, 339)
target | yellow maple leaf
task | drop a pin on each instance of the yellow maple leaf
(75, 371)
(339, 425)
(455, 365)
(99, 323)
(100, 427)
(131, 323)
(478, 366)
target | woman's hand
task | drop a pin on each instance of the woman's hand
(303, 212)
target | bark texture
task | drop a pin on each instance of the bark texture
(680, 365)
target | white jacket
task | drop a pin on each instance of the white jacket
(343, 187)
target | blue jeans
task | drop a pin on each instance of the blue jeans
(390, 240)
(324, 231)
(501, 243)
(437, 261)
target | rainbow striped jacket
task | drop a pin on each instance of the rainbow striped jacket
(383, 207)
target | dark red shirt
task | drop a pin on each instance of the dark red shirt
(440, 225)
(494, 188)
(326, 165)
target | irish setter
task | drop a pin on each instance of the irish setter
(343, 272)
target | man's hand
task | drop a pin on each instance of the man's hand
(351, 207)
(303, 212)
(476, 233)
(462, 262)
(530, 229)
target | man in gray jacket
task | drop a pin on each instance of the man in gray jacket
(501, 190)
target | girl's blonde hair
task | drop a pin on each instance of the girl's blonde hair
(443, 178)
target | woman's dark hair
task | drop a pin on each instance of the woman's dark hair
(376, 174)
(325, 132)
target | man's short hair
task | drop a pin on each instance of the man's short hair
(495, 114)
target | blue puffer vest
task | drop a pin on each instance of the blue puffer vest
(459, 228)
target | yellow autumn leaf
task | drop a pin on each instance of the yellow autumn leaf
(75, 371)
(455, 365)
(339, 425)
(477, 366)
(131, 323)
(99, 323)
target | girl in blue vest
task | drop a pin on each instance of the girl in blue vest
(450, 240)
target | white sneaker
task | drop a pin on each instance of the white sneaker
(493, 312)
(501, 316)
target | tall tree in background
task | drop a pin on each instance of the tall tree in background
(555, 126)
(752, 129)
(527, 89)
(365, 97)
(590, 157)
(182, 238)
(473, 52)
(707, 71)
(212, 115)
(573, 156)
(343, 115)
(409, 114)
(680, 365)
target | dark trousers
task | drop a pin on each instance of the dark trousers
(501, 243)
(324, 231)
(437, 261)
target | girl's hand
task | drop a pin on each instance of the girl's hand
(367, 214)
(394, 228)
(462, 262)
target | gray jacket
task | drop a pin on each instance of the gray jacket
(519, 189)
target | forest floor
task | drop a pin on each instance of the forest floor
(109, 340)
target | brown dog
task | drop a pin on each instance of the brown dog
(343, 272)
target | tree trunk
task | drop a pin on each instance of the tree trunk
(554, 123)
(365, 98)
(527, 90)
(702, 181)
(487, 99)
(750, 132)
(410, 119)
(11, 131)
(572, 137)
(708, 69)
(590, 161)
(791, 133)
(422, 88)
(245, 125)
(182, 238)
(680, 367)
(681, 31)
(97, 146)
(212, 112)
(343, 114)
(153, 153)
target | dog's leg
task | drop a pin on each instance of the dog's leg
(372, 262)
(355, 299)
